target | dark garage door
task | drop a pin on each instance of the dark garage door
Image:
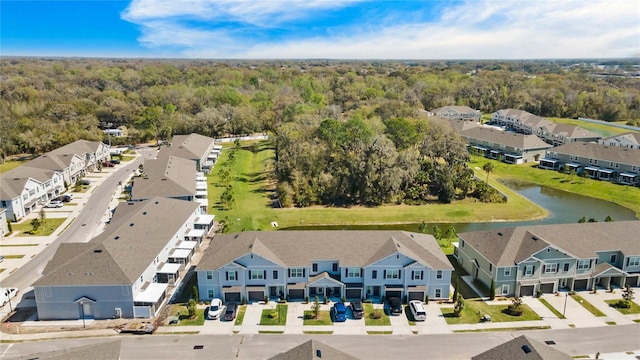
(580, 284)
(296, 294)
(256, 295)
(632, 280)
(526, 290)
(232, 297)
(546, 288)
(416, 295)
(353, 293)
(394, 293)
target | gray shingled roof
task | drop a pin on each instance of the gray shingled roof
(455, 124)
(137, 234)
(167, 176)
(457, 108)
(630, 137)
(506, 138)
(573, 131)
(193, 146)
(601, 152)
(300, 248)
(104, 350)
(522, 348)
(78, 147)
(506, 247)
(310, 349)
(52, 161)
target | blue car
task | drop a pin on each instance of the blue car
(339, 312)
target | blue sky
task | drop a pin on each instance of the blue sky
(349, 29)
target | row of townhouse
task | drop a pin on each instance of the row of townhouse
(523, 260)
(126, 270)
(457, 112)
(199, 148)
(596, 161)
(523, 122)
(300, 264)
(512, 148)
(630, 140)
(36, 182)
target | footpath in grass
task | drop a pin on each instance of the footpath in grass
(253, 207)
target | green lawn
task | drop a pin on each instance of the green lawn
(184, 311)
(13, 256)
(602, 129)
(240, 316)
(587, 305)
(474, 310)
(277, 316)
(324, 318)
(370, 321)
(626, 196)
(47, 229)
(252, 189)
(634, 309)
(557, 313)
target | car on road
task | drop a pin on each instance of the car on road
(214, 310)
(418, 311)
(116, 162)
(54, 204)
(338, 312)
(395, 306)
(356, 309)
(6, 294)
(230, 312)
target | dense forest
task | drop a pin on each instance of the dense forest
(346, 132)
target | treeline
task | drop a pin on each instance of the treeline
(47, 103)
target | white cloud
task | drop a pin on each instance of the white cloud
(470, 30)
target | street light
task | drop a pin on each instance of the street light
(7, 293)
(82, 310)
(566, 296)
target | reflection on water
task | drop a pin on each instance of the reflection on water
(564, 207)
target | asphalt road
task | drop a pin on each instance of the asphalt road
(447, 346)
(80, 229)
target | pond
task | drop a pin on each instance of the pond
(564, 207)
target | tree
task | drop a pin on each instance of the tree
(492, 289)
(315, 307)
(627, 295)
(42, 216)
(194, 293)
(455, 288)
(35, 224)
(451, 232)
(192, 308)
(488, 168)
(437, 233)
(608, 219)
(459, 306)
(582, 220)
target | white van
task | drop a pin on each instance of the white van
(418, 311)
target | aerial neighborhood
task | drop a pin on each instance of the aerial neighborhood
(161, 239)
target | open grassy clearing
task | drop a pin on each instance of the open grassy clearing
(46, 229)
(623, 195)
(253, 209)
(181, 311)
(474, 310)
(369, 318)
(632, 309)
(277, 316)
(602, 129)
(324, 318)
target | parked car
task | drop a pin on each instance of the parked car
(395, 306)
(356, 309)
(231, 312)
(418, 311)
(215, 309)
(116, 162)
(54, 204)
(66, 197)
(108, 164)
(339, 312)
(6, 294)
(85, 182)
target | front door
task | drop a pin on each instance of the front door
(86, 310)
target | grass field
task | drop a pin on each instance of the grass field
(602, 129)
(474, 310)
(277, 316)
(633, 309)
(626, 196)
(369, 319)
(253, 210)
(45, 230)
(324, 318)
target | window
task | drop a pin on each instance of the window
(210, 294)
(584, 264)
(374, 274)
(612, 259)
(141, 279)
(275, 274)
(566, 267)
(299, 272)
(416, 275)
(353, 272)
(461, 243)
(633, 261)
(551, 268)
(438, 293)
(392, 274)
(231, 276)
(490, 267)
(209, 275)
(439, 274)
(335, 267)
(507, 271)
(505, 289)
(314, 267)
(528, 270)
(256, 275)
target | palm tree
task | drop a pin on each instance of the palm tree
(488, 167)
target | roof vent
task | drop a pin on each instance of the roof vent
(397, 244)
(157, 202)
(116, 238)
(131, 224)
(319, 353)
(144, 213)
(526, 349)
(535, 238)
(499, 233)
(97, 251)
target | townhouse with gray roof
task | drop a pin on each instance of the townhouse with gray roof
(299, 264)
(524, 122)
(24, 188)
(630, 140)
(596, 161)
(313, 349)
(524, 260)
(456, 112)
(126, 270)
(522, 348)
(510, 147)
(92, 152)
(199, 148)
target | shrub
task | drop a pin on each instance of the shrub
(426, 299)
(244, 301)
(514, 308)
(376, 314)
(306, 299)
(621, 304)
(343, 299)
(538, 293)
(325, 300)
(367, 301)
